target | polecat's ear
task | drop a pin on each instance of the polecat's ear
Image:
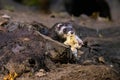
(59, 25)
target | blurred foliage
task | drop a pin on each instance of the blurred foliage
(31, 2)
(44, 5)
(8, 7)
(34, 2)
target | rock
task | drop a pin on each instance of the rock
(101, 60)
(88, 62)
(12, 26)
(17, 49)
(40, 73)
(23, 50)
(6, 16)
(3, 21)
(2, 29)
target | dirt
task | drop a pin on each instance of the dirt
(23, 50)
(76, 72)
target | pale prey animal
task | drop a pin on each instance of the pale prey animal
(74, 42)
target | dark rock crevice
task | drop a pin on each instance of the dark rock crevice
(78, 7)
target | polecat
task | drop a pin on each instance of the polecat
(60, 30)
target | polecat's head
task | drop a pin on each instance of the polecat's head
(63, 29)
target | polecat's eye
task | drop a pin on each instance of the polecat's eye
(64, 30)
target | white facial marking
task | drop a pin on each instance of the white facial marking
(61, 30)
(70, 32)
(59, 25)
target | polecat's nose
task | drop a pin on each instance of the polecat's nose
(72, 32)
